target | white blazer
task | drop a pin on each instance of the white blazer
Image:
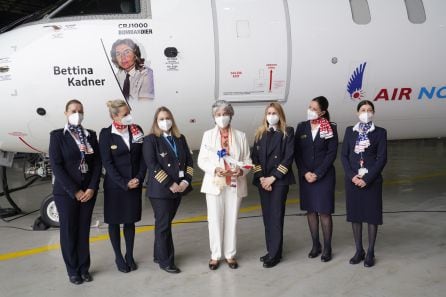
(208, 160)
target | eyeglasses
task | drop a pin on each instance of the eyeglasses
(124, 53)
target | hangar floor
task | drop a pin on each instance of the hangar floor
(410, 250)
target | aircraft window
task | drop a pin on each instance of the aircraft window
(360, 11)
(415, 11)
(98, 7)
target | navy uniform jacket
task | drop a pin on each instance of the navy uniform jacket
(65, 158)
(274, 158)
(120, 163)
(163, 166)
(315, 156)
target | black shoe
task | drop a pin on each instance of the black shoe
(326, 255)
(213, 266)
(264, 258)
(122, 266)
(171, 269)
(358, 257)
(131, 263)
(271, 263)
(369, 260)
(156, 261)
(86, 277)
(315, 251)
(75, 279)
(232, 263)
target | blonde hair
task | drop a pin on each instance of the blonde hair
(157, 131)
(264, 126)
(114, 106)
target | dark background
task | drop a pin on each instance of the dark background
(11, 10)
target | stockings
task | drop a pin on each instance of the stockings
(115, 238)
(357, 234)
(327, 229)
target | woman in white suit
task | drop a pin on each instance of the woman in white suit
(224, 183)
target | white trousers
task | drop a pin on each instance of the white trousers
(222, 221)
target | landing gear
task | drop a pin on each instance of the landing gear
(48, 212)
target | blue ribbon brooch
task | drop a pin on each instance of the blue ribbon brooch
(221, 153)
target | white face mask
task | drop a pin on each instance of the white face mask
(165, 125)
(127, 120)
(365, 117)
(312, 115)
(222, 121)
(272, 119)
(75, 118)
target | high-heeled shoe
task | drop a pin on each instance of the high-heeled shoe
(131, 263)
(326, 255)
(358, 257)
(315, 251)
(369, 260)
(122, 266)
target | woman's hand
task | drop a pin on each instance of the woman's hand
(267, 182)
(79, 194)
(220, 172)
(358, 181)
(88, 194)
(237, 172)
(175, 188)
(133, 183)
(183, 186)
(310, 177)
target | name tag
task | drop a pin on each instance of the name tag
(362, 171)
(181, 174)
(84, 168)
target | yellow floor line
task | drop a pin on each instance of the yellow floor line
(142, 229)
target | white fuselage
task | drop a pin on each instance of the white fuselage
(245, 51)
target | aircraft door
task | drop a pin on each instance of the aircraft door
(253, 46)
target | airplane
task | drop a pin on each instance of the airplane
(188, 54)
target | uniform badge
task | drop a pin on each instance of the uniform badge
(303, 136)
(114, 146)
(163, 155)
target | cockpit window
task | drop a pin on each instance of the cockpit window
(98, 7)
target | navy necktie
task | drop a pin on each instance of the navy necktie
(126, 87)
(170, 139)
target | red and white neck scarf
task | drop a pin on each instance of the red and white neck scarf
(325, 130)
(136, 133)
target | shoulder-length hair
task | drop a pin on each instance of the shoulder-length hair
(139, 63)
(281, 126)
(157, 131)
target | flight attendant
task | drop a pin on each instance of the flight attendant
(364, 155)
(121, 153)
(76, 164)
(316, 144)
(224, 183)
(272, 156)
(170, 170)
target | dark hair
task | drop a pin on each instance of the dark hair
(139, 63)
(323, 105)
(365, 102)
(72, 101)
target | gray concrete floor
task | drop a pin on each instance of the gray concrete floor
(410, 249)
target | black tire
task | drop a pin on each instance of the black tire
(48, 212)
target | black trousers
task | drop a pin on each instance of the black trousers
(75, 221)
(164, 210)
(273, 211)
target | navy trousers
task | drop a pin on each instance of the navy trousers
(75, 221)
(273, 211)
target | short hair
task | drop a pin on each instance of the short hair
(73, 101)
(139, 63)
(323, 105)
(219, 104)
(365, 102)
(115, 105)
(157, 131)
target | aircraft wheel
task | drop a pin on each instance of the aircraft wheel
(48, 212)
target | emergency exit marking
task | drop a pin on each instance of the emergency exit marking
(236, 74)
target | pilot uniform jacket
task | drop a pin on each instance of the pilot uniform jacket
(163, 166)
(316, 156)
(273, 155)
(65, 158)
(208, 160)
(121, 204)
(364, 204)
